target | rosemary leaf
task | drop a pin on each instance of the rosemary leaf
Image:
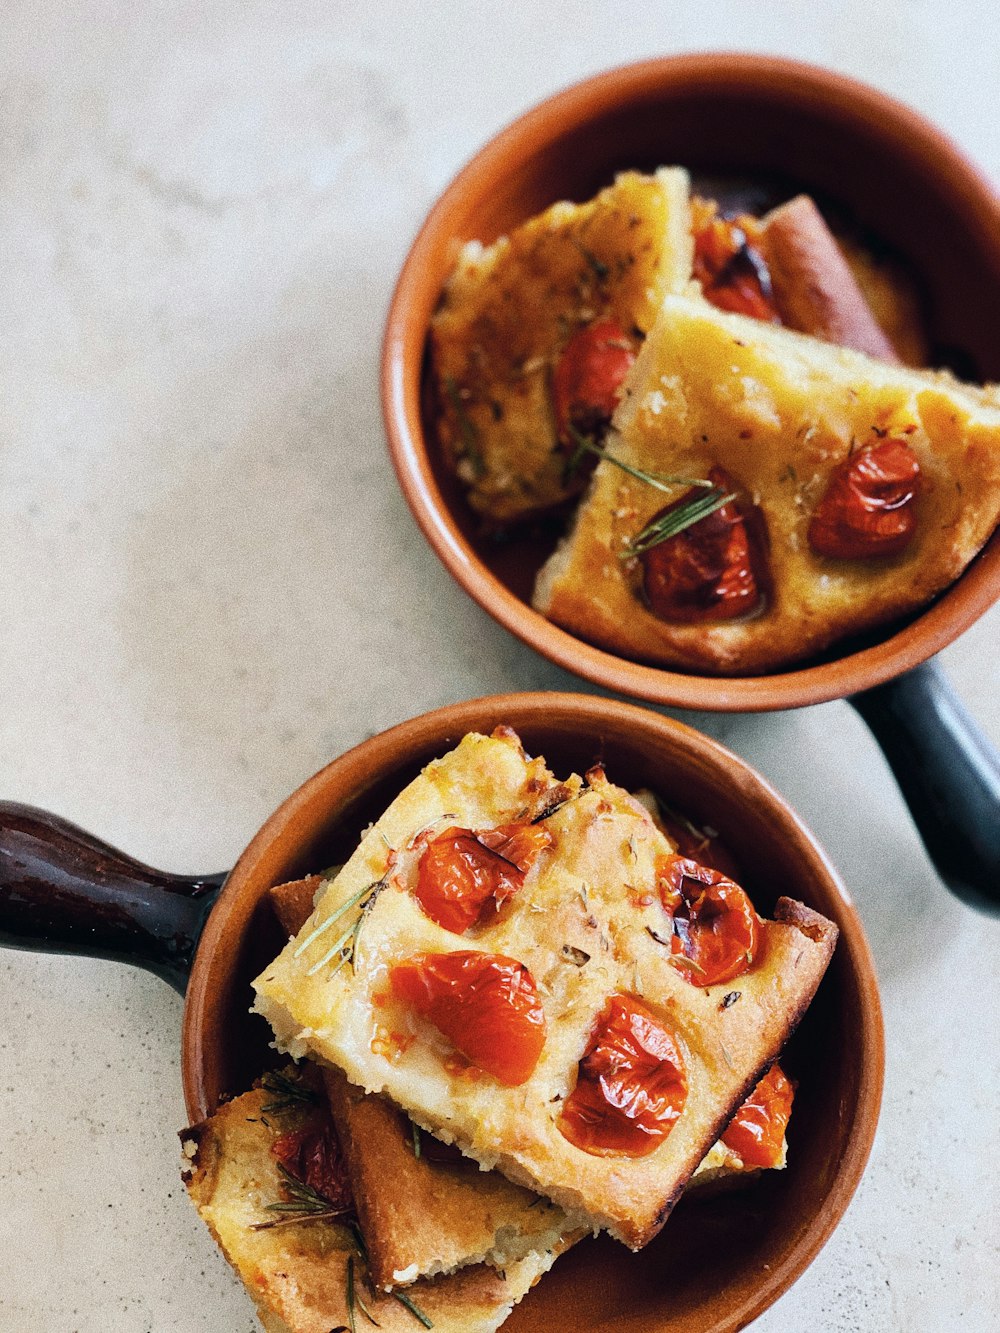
(366, 907)
(323, 926)
(365, 1310)
(287, 1092)
(334, 950)
(350, 1293)
(677, 520)
(415, 1137)
(660, 481)
(413, 1308)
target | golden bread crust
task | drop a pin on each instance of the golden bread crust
(779, 411)
(582, 938)
(420, 1215)
(297, 1274)
(509, 310)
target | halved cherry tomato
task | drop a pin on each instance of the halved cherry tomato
(715, 931)
(462, 873)
(757, 1130)
(587, 380)
(868, 509)
(713, 570)
(732, 271)
(631, 1085)
(487, 1006)
(312, 1155)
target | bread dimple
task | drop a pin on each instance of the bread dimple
(778, 411)
(509, 310)
(576, 928)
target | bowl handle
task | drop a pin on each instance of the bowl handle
(64, 891)
(949, 775)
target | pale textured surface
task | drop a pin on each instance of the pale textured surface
(209, 583)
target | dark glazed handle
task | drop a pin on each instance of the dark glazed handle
(949, 774)
(63, 891)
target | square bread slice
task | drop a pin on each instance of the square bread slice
(778, 411)
(422, 1206)
(586, 927)
(302, 1273)
(509, 310)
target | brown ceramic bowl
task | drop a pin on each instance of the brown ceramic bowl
(720, 115)
(719, 1262)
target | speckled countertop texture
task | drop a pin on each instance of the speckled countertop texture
(210, 584)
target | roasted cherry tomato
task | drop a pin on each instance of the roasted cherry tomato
(868, 509)
(631, 1085)
(710, 571)
(714, 925)
(462, 874)
(732, 271)
(312, 1155)
(587, 379)
(757, 1130)
(485, 1004)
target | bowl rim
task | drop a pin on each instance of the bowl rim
(381, 752)
(403, 347)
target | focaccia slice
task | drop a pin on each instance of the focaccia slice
(300, 1272)
(423, 1208)
(581, 927)
(509, 310)
(779, 412)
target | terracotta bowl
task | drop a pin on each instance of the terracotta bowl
(729, 116)
(718, 1262)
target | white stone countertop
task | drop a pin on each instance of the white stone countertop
(210, 584)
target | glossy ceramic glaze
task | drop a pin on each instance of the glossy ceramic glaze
(898, 177)
(719, 1262)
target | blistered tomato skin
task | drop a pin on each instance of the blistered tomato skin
(869, 507)
(312, 1155)
(715, 930)
(587, 379)
(463, 875)
(631, 1084)
(708, 572)
(732, 271)
(757, 1130)
(486, 1004)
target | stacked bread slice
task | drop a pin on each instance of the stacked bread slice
(456, 1238)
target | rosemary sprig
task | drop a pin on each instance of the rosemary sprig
(681, 516)
(405, 1301)
(676, 520)
(413, 1308)
(287, 1093)
(467, 431)
(305, 1205)
(364, 1308)
(660, 481)
(335, 916)
(350, 1293)
(346, 945)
